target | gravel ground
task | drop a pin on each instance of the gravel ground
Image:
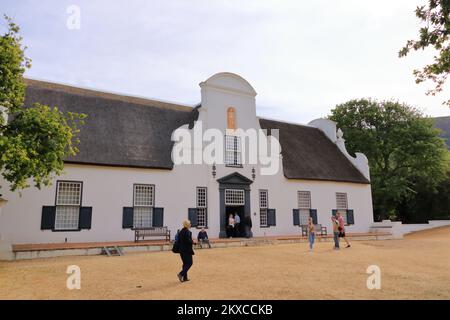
(417, 267)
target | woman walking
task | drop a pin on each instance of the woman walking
(186, 251)
(311, 233)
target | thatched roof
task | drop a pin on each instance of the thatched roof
(135, 132)
(309, 154)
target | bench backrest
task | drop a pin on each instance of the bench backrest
(152, 230)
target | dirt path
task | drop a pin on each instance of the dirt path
(417, 267)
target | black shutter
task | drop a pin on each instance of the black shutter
(296, 216)
(350, 217)
(48, 218)
(333, 212)
(127, 218)
(271, 217)
(85, 218)
(192, 216)
(313, 215)
(158, 217)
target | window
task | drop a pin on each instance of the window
(143, 203)
(231, 118)
(342, 204)
(234, 197)
(263, 206)
(68, 203)
(304, 206)
(202, 206)
(233, 151)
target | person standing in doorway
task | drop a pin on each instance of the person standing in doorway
(311, 233)
(342, 228)
(248, 226)
(186, 250)
(230, 227)
(237, 222)
(335, 223)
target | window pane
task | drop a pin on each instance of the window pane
(233, 151)
(201, 217)
(142, 217)
(263, 199)
(263, 217)
(304, 216)
(341, 201)
(68, 193)
(143, 195)
(67, 217)
(201, 197)
(304, 199)
(234, 197)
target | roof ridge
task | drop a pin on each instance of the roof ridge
(80, 90)
(288, 122)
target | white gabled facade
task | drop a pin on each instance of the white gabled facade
(108, 190)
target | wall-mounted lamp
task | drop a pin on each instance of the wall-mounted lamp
(253, 173)
(214, 170)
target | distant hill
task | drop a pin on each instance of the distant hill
(443, 123)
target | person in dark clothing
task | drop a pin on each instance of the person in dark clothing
(248, 226)
(186, 250)
(202, 238)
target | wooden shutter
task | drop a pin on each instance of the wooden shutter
(127, 217)
(296, 216)
(48, 217)
(271, 217)
(350, 217)
(313, 215)
(192, 216)
(85, 218)
(333, 212)
(158, 217)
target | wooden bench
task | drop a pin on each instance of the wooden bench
(151, 232)
(317, 227)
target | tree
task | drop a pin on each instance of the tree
(34, 141)
(435, 33)
(404, 151)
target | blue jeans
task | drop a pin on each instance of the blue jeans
(336, 239)
(312, 236)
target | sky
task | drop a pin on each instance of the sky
(302, 57)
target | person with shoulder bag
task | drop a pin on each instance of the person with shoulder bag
(186, 250)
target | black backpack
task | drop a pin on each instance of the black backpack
(176, 243)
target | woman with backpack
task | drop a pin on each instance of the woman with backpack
(185, 244)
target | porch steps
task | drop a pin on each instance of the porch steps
(112, 251)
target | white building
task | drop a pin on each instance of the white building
(124, 175)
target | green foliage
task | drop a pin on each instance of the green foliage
(36, 140)
(404, 151)
(434, 33)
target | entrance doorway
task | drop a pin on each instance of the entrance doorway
(239, 229)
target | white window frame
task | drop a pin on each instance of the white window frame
(304, 206)
(234, 197)
(342, 206)
(233, 151)
(263, 206)
(68, 205)
(202, 207)
(143, 205)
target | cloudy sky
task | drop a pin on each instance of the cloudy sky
(302, 57)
